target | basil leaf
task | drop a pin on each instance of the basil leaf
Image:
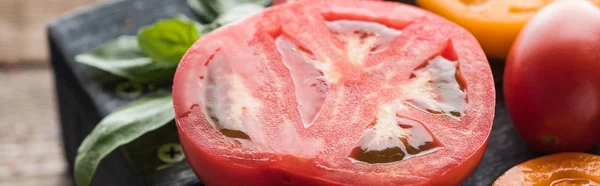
(209, 10)
(204, 13)
(167, 40)
(121, 127)
(238, 13)
(124, 58)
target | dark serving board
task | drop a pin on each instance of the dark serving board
(83, 102)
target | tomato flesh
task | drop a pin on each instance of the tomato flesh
(350, 93)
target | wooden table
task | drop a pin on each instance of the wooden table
(23, 27)
(31, 150)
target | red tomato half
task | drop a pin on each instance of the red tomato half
(335, 93)
(552, 78)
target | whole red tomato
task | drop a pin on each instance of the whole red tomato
(335, 92)
(552, 78)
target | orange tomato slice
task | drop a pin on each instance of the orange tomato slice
(495, 23)
(570, 168)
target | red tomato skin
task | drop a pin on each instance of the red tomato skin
(216, 171)
(463, 171)
(552, 78)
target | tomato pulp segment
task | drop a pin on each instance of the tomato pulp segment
(349, 93)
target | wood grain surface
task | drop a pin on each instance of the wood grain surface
(30, 146)
(31, 150)
(23, 27)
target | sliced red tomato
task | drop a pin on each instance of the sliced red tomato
(335, 93)
(551, 80)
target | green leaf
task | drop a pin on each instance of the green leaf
(209, 10)
(124, 58)
(121, 127)
(222, 6)
(239, 12)
(204, 13)
(167, 40)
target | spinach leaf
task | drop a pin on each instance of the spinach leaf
(121, 127)
(124, 58)
(166, 41)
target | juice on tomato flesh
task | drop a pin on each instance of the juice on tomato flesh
(349, 93)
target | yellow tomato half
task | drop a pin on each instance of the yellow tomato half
(570, 168)
(495, 23)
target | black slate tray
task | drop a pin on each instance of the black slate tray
(83, 102)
